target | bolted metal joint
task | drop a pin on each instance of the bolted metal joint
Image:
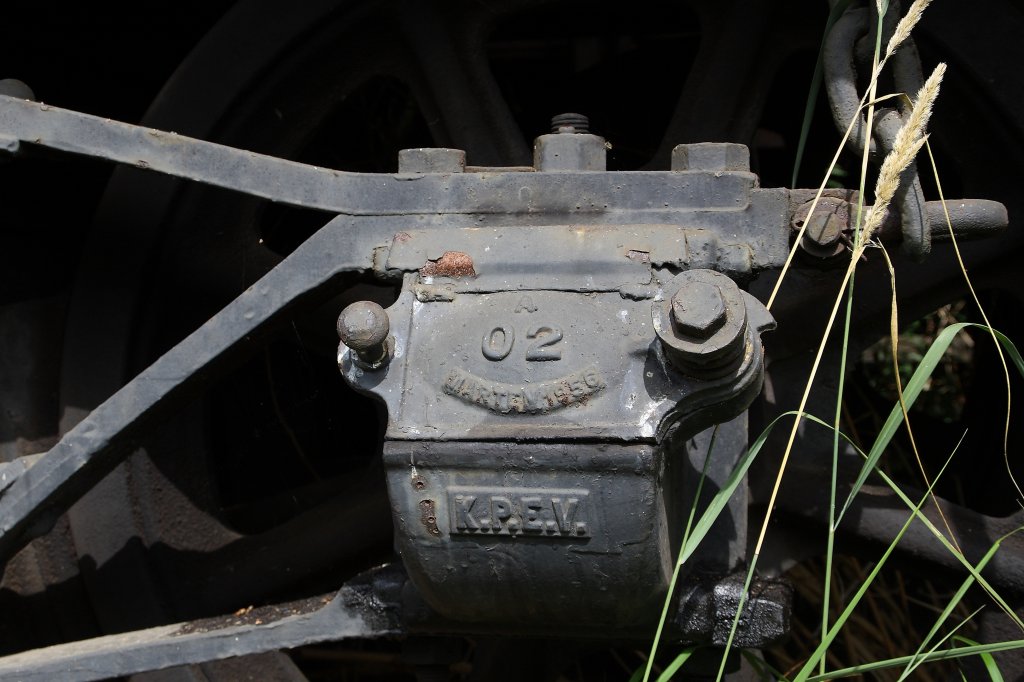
(711, 157)
(707, 610)
(570, 123)
(570, 146)
(825, 228)
(702, 323)
(364, 328)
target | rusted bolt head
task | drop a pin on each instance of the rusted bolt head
(698, 310)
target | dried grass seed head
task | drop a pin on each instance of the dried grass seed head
(908, 142)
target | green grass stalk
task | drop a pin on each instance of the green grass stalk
(679, 560)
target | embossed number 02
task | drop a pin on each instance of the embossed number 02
(541, 349)
(498, 342)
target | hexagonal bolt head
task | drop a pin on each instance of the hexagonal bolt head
(698, 310)
(364, 327)
(560, 152)
(702, 323)
(711, 156)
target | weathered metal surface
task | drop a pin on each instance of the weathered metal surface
(828, 228)
(604, 258)
(538, 430)
(498, 198)
(969, 218)
(385, 209)
(364, 326)
(431, 160)
(707, 610)
(560, 537)
(443, 291)
(712, 157)
(543, 364)
(356, 611)
(569, 149)
(703, 324)
(841, 85)
(581, 525)
(831, 225)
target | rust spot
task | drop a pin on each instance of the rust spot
(565, 396)
(450, 264)
(402, 237)
(428, 517)
(258, 615)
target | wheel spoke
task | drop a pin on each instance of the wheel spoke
(468, 106)
(742, 46)
(98, 443)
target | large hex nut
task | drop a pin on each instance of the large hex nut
(711, 156)
(702, 323)
(566, 152)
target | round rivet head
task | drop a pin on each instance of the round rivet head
(364, 327)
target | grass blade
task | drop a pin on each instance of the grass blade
(812, 92)
(912, 667)
(675, 665)
(986, 659)
(944, 655)
(721, 498)
(675, 571)
(693, 538)
(826, 642)
(915, 511)
(761, 667)
(957, 598)
(912, 391)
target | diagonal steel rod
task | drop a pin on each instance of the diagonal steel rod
(350, 614)
(38, 494)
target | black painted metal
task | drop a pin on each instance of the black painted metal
(424, 291)
(355, 612)
(33, 501)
